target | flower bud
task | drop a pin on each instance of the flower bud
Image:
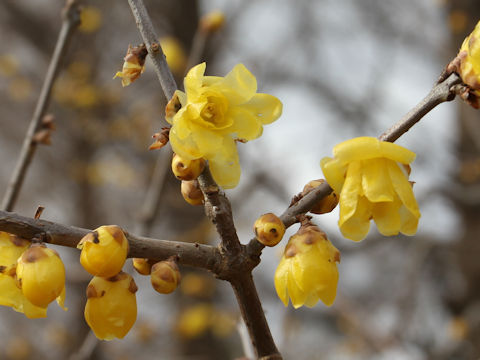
(111, 308)
(104, 251)
(41, 275)
(185, 169)
(191, 192)
(213, 21)
(269, 229)
(165, 276)
(134, 64)
(174, 54)
(324, 205)
(143, 266)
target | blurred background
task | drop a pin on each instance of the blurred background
(342, 69)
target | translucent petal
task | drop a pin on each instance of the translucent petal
(245, 125)
(350, 192)
(409, 222)
(194, 80)
(297, 296)
(403, 188)
(225, 166)
(208, 142)
(186, 148)
(280, 279)
(376, 182)
(334, 173)
(267, 108)
(239, 85)
(387, 217)
(357, 226)
(364, 148)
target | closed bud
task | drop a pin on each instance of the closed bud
(165, 276)
(111, 308)
(191, 192)
(269, 229)
(143, 266)
(41, 275)
(104, 251)
(324, 205)
(185, 169)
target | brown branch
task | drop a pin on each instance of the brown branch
(442, 91)
(71, 19)
(145, 26)
(197, 255)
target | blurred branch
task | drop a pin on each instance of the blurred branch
(442, 91)
(71, 19)
(191, 254)
(88, 347)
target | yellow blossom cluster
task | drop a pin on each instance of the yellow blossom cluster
(31, 276)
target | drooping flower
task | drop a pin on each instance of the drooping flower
(217, 111)
(111, 308)
(308, 269)
(371, 177)
(41, 276)
(104, 251)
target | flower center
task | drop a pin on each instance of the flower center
(213, 112)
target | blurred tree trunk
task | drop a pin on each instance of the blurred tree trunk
(463, 16)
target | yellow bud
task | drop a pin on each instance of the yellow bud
(165, 276)
(174, 54)
(142, 266)
(104, 251)
(191, 192)
(41, 275)
(194, 321)
(213, 21)
(185, 169)
(111, 308)
(325, 205)
(269, 229)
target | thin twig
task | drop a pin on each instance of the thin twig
(441, 92)
(192, 254)
(145, 26)
(87, 348)
(198, 48)
(71, 19)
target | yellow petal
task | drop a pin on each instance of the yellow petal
(409, 222)
(334, 173)
(61, 300)
(267, 108)
(357, 226)
(186, 148)
(280, 279)
(194, 80)
(387, 217)
(376, 182)
(225, 166)
(297, 296)
(209, 142)
(245, 125)
(239, 85)
(364, 148)
(351, 191)
(403, 188)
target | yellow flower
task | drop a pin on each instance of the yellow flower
(41, 276)
(469, 55)
(11, 248)
(211, 22)
(175, 55)
(308, 269)
(111, 308)
(104, 251)
(216, 111)
(372, 183)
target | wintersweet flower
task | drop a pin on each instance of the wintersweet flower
(371, 177)
(11, 248)
(214, 113)
(308, 269)
(111, 308)
(469, 55)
